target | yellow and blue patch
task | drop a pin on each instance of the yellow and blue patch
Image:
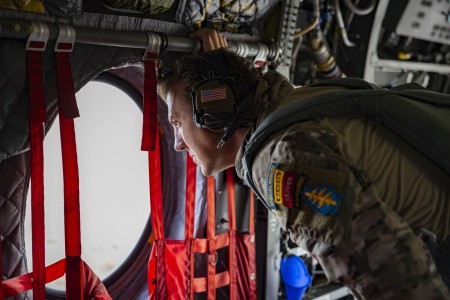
(284, 188)
(323, 198)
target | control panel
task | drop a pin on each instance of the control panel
(427, 20)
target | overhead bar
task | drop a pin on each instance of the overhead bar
(20, 29)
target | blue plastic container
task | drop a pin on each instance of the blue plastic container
(295, 276)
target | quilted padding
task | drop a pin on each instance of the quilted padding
(87, 62)
(14, 173)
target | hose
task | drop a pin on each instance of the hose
(360, 11)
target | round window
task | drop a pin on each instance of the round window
(114, 200)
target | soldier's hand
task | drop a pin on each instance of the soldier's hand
(210, 39)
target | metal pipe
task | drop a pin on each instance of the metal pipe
(360, 11)
(341, 25)
(20, 29)
(314, 22)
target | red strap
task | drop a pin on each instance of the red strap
(251, 224)
(201, 245)
(150, 109)
(68, 110)
(156, 189)
(220, 280)
(211, 232)
(37, 118)
(191, 170)
(232, 232)
(24, 283)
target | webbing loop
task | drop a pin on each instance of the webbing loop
(36, 43)
(68, 110)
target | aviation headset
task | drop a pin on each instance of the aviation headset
(214, 99)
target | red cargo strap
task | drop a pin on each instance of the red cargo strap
(191, 180)
(156, 189)
(25, 282)
(37, 120)
(150, 109)
(211, 233)
(232, 231)
(68, 110)
(191, 170)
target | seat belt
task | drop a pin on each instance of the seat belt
(68, 110)
(36, 44)
(191, 182)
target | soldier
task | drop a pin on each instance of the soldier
(348, 190)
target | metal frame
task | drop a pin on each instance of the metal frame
(374, 63)
(21, 29)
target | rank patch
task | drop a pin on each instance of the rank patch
(323, 198)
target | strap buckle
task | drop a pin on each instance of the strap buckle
(37, 41)
(66, 38)
(213, 258)
(154, 45)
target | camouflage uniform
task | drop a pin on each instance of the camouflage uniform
(337, 204)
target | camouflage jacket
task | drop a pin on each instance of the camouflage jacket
(336, 203)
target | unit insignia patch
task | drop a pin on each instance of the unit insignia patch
(323, 198)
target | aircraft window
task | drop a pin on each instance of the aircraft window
(113, 172)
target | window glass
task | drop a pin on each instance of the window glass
(114, 198)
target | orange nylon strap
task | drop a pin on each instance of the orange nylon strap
(191, 170)
(232, 232)
(68, 110)
(156, 189)
(201, 245)
(37, 120)
(251, 225)
(220, 280)
(191, 180)
(211, 232)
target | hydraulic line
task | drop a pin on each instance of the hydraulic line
(313, 24)
(360, 11)
(341, 25)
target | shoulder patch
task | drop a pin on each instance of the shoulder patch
(270, 189)
(323, 198)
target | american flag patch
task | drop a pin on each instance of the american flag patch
(214, 94)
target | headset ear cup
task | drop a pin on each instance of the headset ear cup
(213, 104)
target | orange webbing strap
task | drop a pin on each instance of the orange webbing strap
(151, 143)
(68, 110)
(37, 120)
(232, 268)
(201, 245)
(191, 180)
(211, 233)
(220, 280)
(191, 170)
(251, 225)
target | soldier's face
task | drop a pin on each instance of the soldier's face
(200, 143)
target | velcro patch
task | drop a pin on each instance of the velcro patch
(284, 188)
(270, 185)
(323, 198)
